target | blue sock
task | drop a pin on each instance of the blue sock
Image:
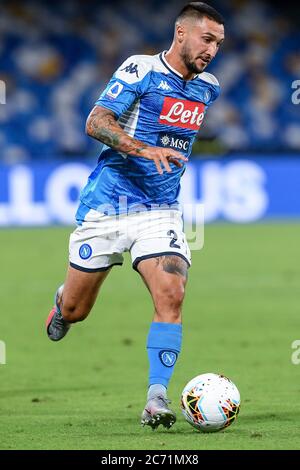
(164, 344)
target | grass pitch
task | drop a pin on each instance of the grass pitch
(241, 316)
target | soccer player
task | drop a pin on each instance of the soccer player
(147, 119)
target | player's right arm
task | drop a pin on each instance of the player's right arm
(102, 125)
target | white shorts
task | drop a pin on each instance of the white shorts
(99, 242)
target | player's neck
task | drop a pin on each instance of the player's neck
(175, 61)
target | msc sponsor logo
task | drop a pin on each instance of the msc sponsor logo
(173, 141)
(182, 113)
(131, 68)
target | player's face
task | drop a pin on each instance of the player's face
(200, 44)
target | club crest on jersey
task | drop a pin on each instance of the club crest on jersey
(115, 90)
(168, 358)
(131, 68)
(182, 113)
(207, 96)
(174, 141)
(85, 251)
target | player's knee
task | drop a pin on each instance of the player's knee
(73, 313)
(177, 297)
(169, 300)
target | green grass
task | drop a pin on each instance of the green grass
(241, 315)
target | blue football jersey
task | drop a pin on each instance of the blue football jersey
(154, 104)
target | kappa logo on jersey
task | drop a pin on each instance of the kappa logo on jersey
(182, 113)
(173, 141)
(131, 68)
(115, 90)
(164, 86)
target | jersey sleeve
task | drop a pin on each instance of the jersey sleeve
(126, 85)
(215, 93)
(214, 88)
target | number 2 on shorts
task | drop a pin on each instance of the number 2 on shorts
(173, 234)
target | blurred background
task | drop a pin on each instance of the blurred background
(56, 57)
(242, 305)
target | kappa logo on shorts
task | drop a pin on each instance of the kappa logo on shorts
(85, 251)
(168, 358)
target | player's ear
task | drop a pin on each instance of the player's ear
(180, 32)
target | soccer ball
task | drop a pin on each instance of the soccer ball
(210, 402)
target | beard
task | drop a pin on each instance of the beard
(189, 62)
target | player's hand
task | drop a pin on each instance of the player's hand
(163, 156)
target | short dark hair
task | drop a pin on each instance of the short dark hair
(200, 10)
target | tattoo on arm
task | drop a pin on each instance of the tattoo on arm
(102, 125)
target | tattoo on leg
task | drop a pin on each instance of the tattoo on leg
(174, 265)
